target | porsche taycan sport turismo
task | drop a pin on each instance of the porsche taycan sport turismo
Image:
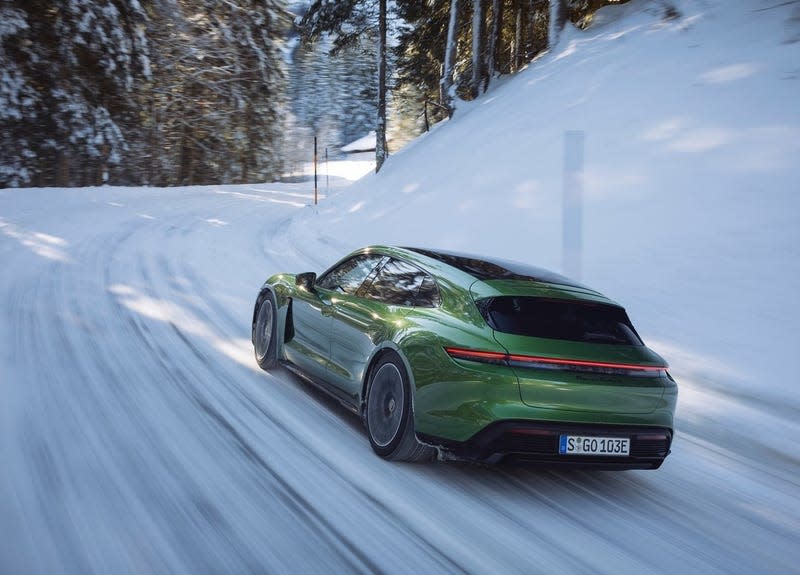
(474, 357)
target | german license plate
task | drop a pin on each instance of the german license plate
(591, 445)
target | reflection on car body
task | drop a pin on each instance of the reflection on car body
(477, 357)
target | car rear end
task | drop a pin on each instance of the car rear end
(589, 392)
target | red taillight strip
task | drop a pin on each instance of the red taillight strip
(581, 363)
(477, 355)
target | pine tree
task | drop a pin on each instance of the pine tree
(217, 104)
(446, 98)
(478, 42)
(74, 69)
(494, 41)
(348, 22)
(166, 91)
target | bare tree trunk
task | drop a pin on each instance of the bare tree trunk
(380, 131)
(516, 54)
(494, 41)
(558, 17)
(446, 82)
(477, 46)
(63, 171)
(248, 151)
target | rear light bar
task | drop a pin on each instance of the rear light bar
(532, 361)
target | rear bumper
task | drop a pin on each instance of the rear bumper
(538, 442)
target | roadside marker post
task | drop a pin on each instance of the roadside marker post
(573, 203)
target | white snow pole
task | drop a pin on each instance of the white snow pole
(573, 203)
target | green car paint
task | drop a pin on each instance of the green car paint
(334, 337)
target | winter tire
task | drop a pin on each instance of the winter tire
(389, 415)
(265, 333)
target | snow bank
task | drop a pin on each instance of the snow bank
(690, 216)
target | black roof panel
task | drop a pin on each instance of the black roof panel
(496, 269)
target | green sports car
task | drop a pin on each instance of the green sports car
(471, 357)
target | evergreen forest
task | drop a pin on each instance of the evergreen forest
(183, 92)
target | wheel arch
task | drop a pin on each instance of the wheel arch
(381, 350)
(283, 305)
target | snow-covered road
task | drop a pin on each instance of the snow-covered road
(138, 436)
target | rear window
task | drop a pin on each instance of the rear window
(559, 319)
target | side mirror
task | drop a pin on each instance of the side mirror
(306, 281)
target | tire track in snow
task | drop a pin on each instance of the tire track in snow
(166, 272)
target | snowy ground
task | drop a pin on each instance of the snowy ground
(137, 434)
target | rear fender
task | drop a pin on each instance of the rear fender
(379, 350)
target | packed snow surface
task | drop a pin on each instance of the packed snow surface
(137, 434)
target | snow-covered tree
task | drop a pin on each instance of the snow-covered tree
(68, 77)
(349, 23)
(332, 97)
(165, 91)
(218, 102)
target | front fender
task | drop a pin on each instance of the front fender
(281, 287)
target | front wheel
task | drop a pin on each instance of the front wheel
(265, 333)
(389, 417)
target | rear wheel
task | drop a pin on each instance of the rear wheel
(389, 417)
(265, 333)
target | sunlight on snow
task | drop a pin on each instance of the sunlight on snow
(760, 149)
(161, 310)
(728, 73)
(45, 245)
(665, 130)
(351, 170)
(678, 135)
(568, 51)
(256, 198)
(261, 190)
(690, 360)
(701, 140)
(238, 350)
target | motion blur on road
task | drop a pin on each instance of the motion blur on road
(139, 436)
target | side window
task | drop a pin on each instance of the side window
(400, 283)
(428, 295)
(348, 276)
